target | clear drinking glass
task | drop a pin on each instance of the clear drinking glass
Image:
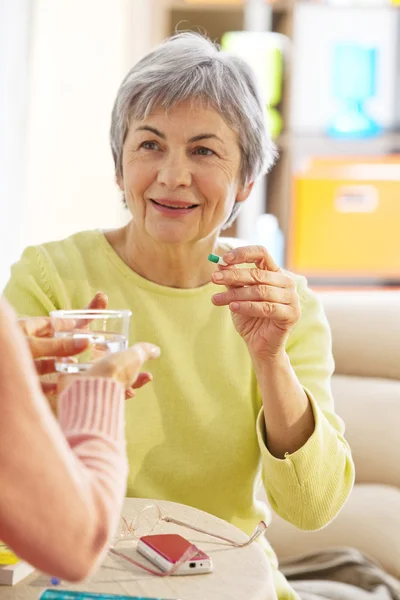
(106, 330)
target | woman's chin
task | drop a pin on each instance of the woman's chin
(174, 234)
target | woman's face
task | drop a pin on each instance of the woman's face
(181, 173)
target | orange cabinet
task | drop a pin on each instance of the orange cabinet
(345, 218)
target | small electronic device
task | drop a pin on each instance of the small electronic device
(167, 549)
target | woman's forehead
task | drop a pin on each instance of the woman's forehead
(189, 118)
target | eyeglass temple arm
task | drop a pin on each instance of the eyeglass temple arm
(261, 527)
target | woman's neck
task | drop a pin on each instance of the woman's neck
(171, 265)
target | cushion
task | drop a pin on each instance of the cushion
(366, 332)
(369, 521)
(370, 409)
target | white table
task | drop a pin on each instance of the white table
(239, 573)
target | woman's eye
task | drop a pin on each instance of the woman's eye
(204, 151)
(149, 145)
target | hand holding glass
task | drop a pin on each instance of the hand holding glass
(106, 330)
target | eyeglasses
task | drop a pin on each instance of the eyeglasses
(151, 516)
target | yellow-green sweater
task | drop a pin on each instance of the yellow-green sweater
(195, 435)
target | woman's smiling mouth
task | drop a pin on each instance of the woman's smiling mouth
(173, 207)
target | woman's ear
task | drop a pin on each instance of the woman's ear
(244, 192)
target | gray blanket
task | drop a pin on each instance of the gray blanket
(339, 574)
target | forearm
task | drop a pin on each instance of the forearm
(57, 507)
(298, 423)
(289, 420)
(307, 466)
(91, 414)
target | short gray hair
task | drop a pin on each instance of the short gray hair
(189, 66)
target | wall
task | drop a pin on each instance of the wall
(79, 53)
(14, 65)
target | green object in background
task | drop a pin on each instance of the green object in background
(274, 122)
(264, 52)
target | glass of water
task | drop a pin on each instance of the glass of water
(106, 330)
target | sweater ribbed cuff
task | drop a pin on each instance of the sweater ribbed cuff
(93, 404)
(304, 458)
(316, 456)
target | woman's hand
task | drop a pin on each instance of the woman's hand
(123, 367)
(263, 301)
(46, 350)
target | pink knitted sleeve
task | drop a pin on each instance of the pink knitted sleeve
(91, 415)
(61, 489)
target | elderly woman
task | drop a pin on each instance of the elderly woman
(242, 394)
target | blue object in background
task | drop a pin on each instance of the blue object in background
(74, 595)
(268, 234)
(354, 80)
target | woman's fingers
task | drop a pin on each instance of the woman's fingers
(44, 366)
(141, 380)
(46, 347)
(49, 388)
(234, 277)
(36, 326)
(98, 302)
(129, 393)
(42, 326)
(280, 313)
(255, 293)
(251, 254)
(123, 367)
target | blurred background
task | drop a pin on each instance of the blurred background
(330, 74)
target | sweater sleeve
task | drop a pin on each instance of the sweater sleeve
(61, 495)
(91, 415)
(309, 487)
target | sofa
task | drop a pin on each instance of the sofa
(366, 386)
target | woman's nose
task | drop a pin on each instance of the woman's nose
(174, 173)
